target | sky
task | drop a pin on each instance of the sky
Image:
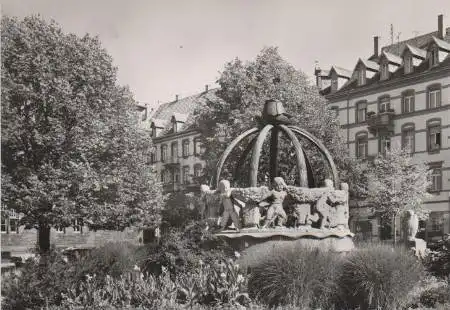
(167, 47)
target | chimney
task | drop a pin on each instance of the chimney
(206, 88)
(441, 26)
(317, 72)
(375, 45)
(176, 97)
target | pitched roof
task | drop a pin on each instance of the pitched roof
(183, 106)
(415, 51)
(442, 44)
(159, 123)
(392, 58)
(369, 64)
(418, 41)
(180, 117)
(342, 72)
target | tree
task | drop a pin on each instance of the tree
(397, 182)
(244, 87)
(71, 144)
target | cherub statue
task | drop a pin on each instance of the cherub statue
(410, 225)
(276, 197)
(323, 206)
(230, 205)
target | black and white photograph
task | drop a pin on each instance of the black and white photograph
(225, 154)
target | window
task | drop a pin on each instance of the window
(9, 221)
(186, 174)
(408, 102)
(384, 70)
(174, 125)
(334, 84)
(408, 60)
(361, 76)
(174, 149)
(434, 137)
(361, 146)
(166, 176)
(163, 153)
(176, 176)
(197, 146)
(4, 223)
(335, 111)
(436, 221)
(152, 158)
(361, 112)
(408, 136)
(185, 148)
(197, 170)
(384, 104)
(434, 97)
(78, 225)
(434, 57)
(385, 144)
(436, 179)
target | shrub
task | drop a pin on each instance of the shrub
(300, 276)
(112, 258)
(180, 251)
(40, 281)
(438, 259)
(379, 276)
(436, 296)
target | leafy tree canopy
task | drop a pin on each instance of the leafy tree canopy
(71, 144)
(397, 182)
(244, 87)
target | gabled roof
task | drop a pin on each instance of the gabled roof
(159, 123)
(180, 117)
(341, 72)
(442, 44)
(369, 64)
(392, 58)
(418, 41)
(415, 51)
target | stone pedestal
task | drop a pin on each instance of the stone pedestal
(252, 245)
(417, 246)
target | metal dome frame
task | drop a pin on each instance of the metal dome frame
(274, 124)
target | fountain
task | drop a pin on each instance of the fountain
(321, 213)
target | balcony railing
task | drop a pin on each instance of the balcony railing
(172, 160)
(381, 122)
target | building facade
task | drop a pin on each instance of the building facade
(399, 95)
(177, 148)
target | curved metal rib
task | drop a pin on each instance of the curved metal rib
(311, 177)
(322, 149)
(243, 156)
(301, 162)
(256, 154)
(228, 151)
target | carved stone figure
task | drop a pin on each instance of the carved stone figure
(275, 211)
(410, 225)
(324, 208)
(230, 205)
(302, 214)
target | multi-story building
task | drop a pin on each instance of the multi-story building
(177, 148)
(399, 95)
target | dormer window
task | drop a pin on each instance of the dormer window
(174, 126)
(408, 64)
(334, 84)
(434, 57)
(384, 71)
(361, 75)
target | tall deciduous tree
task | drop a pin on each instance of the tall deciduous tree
(396, 183)
(244, 87)
(71, 144)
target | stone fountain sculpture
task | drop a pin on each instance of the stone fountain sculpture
(321, 213)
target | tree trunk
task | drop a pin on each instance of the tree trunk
(44, 238)
(395, 230)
